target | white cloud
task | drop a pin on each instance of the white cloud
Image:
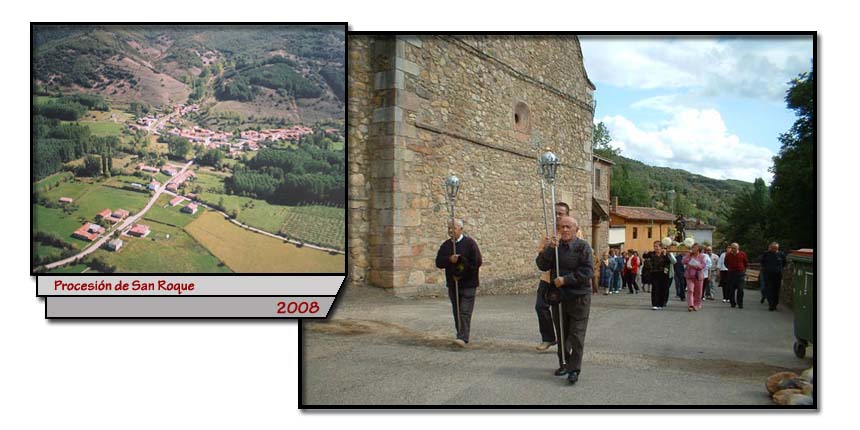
(752, 67)
(694, 140)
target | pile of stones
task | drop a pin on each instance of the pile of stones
(789, 388)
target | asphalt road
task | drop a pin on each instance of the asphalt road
(377, 349)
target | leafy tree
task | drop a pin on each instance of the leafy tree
(748, 220)
(212, 157)
(601, 142)
(629, 190)
(793, 186)
(178, 146)
(92, 166)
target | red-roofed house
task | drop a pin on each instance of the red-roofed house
(176, 200)
(120, 213)
(103, 214)
(642, 226)
(190, 208)
(171, 187)
(139, 230)
(88, 231)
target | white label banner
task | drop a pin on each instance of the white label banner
(174, 286)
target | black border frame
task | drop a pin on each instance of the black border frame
(507, 408)
(344, 273)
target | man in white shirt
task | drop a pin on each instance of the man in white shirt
(711, 262)
(724, 274)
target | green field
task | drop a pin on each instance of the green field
(320, 225)
(52, 181)
(245, 251)
(162, 212)
(40, 100)
(104, 128)
(49, 253)
(209, 182)
(90, 198)
(179, 253)
(77, 268)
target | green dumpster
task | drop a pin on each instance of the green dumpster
(804, 300)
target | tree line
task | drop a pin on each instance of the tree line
(786, 211)
(292, 176)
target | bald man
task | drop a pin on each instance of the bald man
(461, 259)
(574, 279)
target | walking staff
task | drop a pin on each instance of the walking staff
(549, 163)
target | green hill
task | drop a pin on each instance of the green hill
(638, 184)
(167, 65)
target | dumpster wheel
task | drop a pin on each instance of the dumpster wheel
(800, 348)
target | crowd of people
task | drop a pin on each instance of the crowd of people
(571, 274)
(695, 274)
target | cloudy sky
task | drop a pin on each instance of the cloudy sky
(709, 105)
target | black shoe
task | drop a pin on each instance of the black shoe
(561, 371)
(771, 309)
(762, 300)
(740, 306)
(572, 377)
(733, 305)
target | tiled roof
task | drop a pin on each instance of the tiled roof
(640, 213)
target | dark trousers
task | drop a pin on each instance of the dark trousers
(544, 315)
(736, 288)
(772, 283)
(669, 284)
(680, 285)
(467, 304)
(631, 282)
(574, 315)
(659, 289)
(724, 283)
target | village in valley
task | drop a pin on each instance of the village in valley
(121, 184)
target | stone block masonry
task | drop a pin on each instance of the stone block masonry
(483, 108)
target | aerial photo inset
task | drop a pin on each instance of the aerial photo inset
(188, 149)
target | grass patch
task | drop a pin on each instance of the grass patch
(40, 100)
(90, 199)
(245, 251)
(162, 212)
(52, 181)
(178, 253)
(320, 225)
(58, 223)
(77, 268)
(104, 128)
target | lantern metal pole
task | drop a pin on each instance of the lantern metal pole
(452, 186)
(543, 200)
(549, 164)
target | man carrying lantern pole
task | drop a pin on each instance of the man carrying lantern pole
(569, 260)
(460, 257)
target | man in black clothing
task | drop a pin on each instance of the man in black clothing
(772, 263)
(545, 324)
(461, 259)
(575, 271)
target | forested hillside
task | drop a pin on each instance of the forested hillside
(638, 184)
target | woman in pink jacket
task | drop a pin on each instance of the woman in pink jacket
(694, 263)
